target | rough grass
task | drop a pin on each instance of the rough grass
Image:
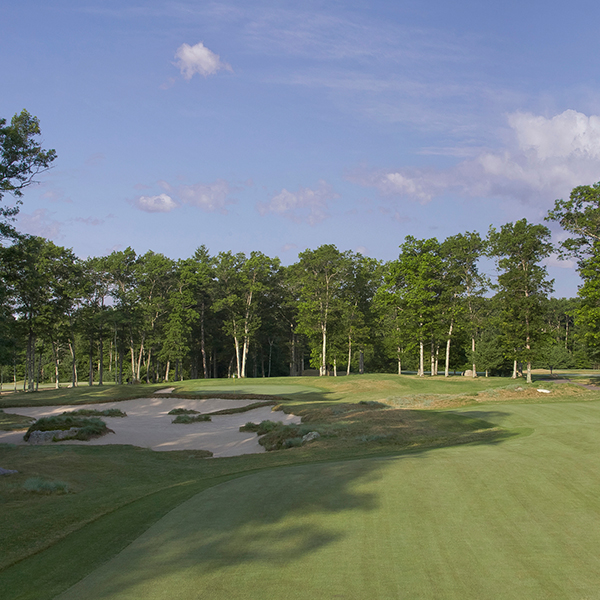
(90, 412)
(10, 422)
(89, 428)
(186, 419)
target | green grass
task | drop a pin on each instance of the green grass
(512, 520)
(88, 427)
(9, 421)
(387, 503)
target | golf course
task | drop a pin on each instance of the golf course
(416, 488)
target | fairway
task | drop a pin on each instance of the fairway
(516, 519)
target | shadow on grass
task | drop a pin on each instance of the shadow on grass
(274, 515)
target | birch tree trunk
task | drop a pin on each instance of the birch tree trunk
(167, 370)
(514, 375)
(421, 372)
(349, 354)
(399, 361)
(447, 365)
(473, 351)
(324, 351)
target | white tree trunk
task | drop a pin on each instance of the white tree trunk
(167, 370)
(349, 355)
(447, 366)
(334, 367)
(421, 372)
(473, 351)
(324, 352)
(514, 375)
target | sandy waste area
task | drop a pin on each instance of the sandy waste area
(148, 425)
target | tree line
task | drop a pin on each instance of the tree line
(128, 318)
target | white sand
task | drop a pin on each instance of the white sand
(148, 425)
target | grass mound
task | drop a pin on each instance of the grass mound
(88, 428)
(90, 412)
(276, 435)
(186, 419)
(38, 485)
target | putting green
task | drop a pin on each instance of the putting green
(517, 519)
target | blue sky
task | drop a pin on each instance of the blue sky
(267, 126)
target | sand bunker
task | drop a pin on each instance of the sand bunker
(149, 426)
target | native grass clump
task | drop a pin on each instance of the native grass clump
(83, 428)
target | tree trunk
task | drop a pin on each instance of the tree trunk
(349, 354)
(473, 355)
(528, 371)
(120, 359)
(323, 370)
(55, 356)
(167, 370)
(100, 357)
(421, 372)
(148, 365)
(139, 360)
(205, 372)
(361, 361)
(91, 364)
(334, 367)
(399, 360)
(432, 371)
(73, 363)
(514, 375)
(237, 356)
(132, 353)
(270, 355)
(447, 365)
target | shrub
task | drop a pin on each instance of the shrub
(38, 485)
(186, 419)
(182, 411)
(373, 404)
(90, 412)
(88, 427)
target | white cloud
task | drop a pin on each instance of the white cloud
(198, 59)
(211, 197)
(544, 160)
(161, 203)
(305, 205)
(41, 223)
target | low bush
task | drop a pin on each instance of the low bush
(261, 428)
(186, 419)
(88, 428)
(182, 411)
(90, 412)
(275, 436)
(373, 404)
(38, 485)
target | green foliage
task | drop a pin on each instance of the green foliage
(90, 412)
(580, 216)
(182, 411)
(187, 419)
(88, 427)
(21, 160)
